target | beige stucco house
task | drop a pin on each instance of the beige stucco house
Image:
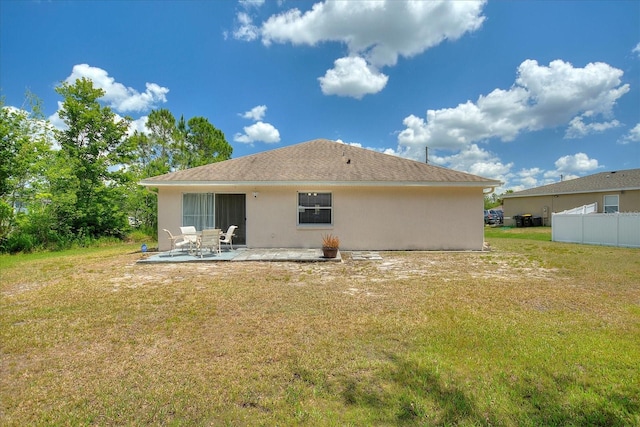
(291, 196)
(613, 191)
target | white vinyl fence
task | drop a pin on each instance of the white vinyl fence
(611, 229)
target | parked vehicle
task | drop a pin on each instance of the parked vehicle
(493, 216)
(499, 215)
(489, 218)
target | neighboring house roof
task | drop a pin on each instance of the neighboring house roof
(320, 161)
(601, 182)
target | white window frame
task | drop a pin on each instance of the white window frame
(318, 208)
(608, 206)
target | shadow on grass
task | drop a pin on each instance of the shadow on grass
(411, 392)
(563, 401)
(414, 391)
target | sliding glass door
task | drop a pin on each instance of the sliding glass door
(210, 210)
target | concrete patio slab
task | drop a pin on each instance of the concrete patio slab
(243, 254)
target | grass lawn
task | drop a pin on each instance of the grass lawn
(530, 333)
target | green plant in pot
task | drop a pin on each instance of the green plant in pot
(330, 245)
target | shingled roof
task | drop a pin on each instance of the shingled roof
(320, 161)
(601, 182)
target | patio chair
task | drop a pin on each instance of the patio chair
(190, 235)
(209, 239)
(227, 237)
(176, 241)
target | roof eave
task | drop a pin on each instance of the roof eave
(480, 184)
(563, 193)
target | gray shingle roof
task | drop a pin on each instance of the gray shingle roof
(604, 181)
(322, 161)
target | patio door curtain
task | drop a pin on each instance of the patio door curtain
(198, 210)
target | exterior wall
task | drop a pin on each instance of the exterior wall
(534, 205)
(364, 218)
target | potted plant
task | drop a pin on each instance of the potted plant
(330, 245)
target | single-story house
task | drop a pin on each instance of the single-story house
(613, 191)
(291, 196)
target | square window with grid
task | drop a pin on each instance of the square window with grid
(315, 208)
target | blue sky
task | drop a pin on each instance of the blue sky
(523, 92)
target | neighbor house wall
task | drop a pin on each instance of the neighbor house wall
(534, 205)
(364, 218)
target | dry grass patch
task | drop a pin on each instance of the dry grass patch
(531, 333)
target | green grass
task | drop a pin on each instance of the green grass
(528, 233)
(531, 333)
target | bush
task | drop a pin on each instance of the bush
(18, 242)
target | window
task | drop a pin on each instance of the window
(198, 210)
(315, 208)
(611, 204)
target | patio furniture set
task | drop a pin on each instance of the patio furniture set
(198, 241)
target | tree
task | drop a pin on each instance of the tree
(169, 147)
(92, 146)
(162, 138)
(205, 143)
(25, 154)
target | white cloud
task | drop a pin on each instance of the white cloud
(474, 160)
(375, 32)
(139, 124)
(251, 3)
(352, 77)
(246, 30)
(632, 136)
(541, 97)
(528, 178)
(256, 113)
(119, 97)
(578, 129)
(380, 30)
(636, 49)
(55, 119)
(577, 163)
(258, 132)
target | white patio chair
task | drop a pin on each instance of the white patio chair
(209, 239)
(190, 235)
(176, 241)
(228, 236)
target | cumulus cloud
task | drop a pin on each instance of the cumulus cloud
(541, 97)
(256, 113)
(377, 33)
(636, 49)
(352, 77)
(120, 97)
(259, 131)
(577, 163)
(477, 161)
(380, 30)
(632, 136)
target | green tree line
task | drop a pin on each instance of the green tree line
(73, 186)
